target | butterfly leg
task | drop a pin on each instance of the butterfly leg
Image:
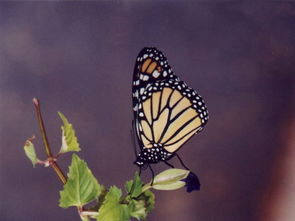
(139, 171)
(153, 175)
(170, 165)
(182, 162)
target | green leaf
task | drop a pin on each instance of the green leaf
(134, 187)
(137, 209)
(112, 209)
(170, 179)
(149, 200)
(84, 218)
(69, 139)
(140, 203)
(81, 187)
(30, 152)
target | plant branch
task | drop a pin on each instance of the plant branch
(42, 127)
(51, 159)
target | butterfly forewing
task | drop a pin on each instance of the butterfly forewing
(151, 66)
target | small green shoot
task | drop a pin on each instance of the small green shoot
(69, 139)
(30, 152)
(112, 209)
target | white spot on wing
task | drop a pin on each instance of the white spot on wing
(156, 73)
(145, 78)
(136, 94)
(141, 91)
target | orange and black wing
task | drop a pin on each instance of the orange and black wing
(151, 66)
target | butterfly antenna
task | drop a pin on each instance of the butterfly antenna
(153, 175)
(182, 162)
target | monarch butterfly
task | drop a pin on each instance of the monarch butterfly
(167, 113)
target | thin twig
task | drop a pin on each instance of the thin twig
(51, 159)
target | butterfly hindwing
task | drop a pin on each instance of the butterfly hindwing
(170, 113)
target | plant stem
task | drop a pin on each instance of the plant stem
(146, 187)
(53, 164)
(41, 126)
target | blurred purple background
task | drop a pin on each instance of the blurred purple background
(78, 58)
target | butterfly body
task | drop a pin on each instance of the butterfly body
(167, 113)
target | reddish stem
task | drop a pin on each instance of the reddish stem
(51, 159)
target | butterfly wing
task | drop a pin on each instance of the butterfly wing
(151, 66)
(166, 111)
(170, 114)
